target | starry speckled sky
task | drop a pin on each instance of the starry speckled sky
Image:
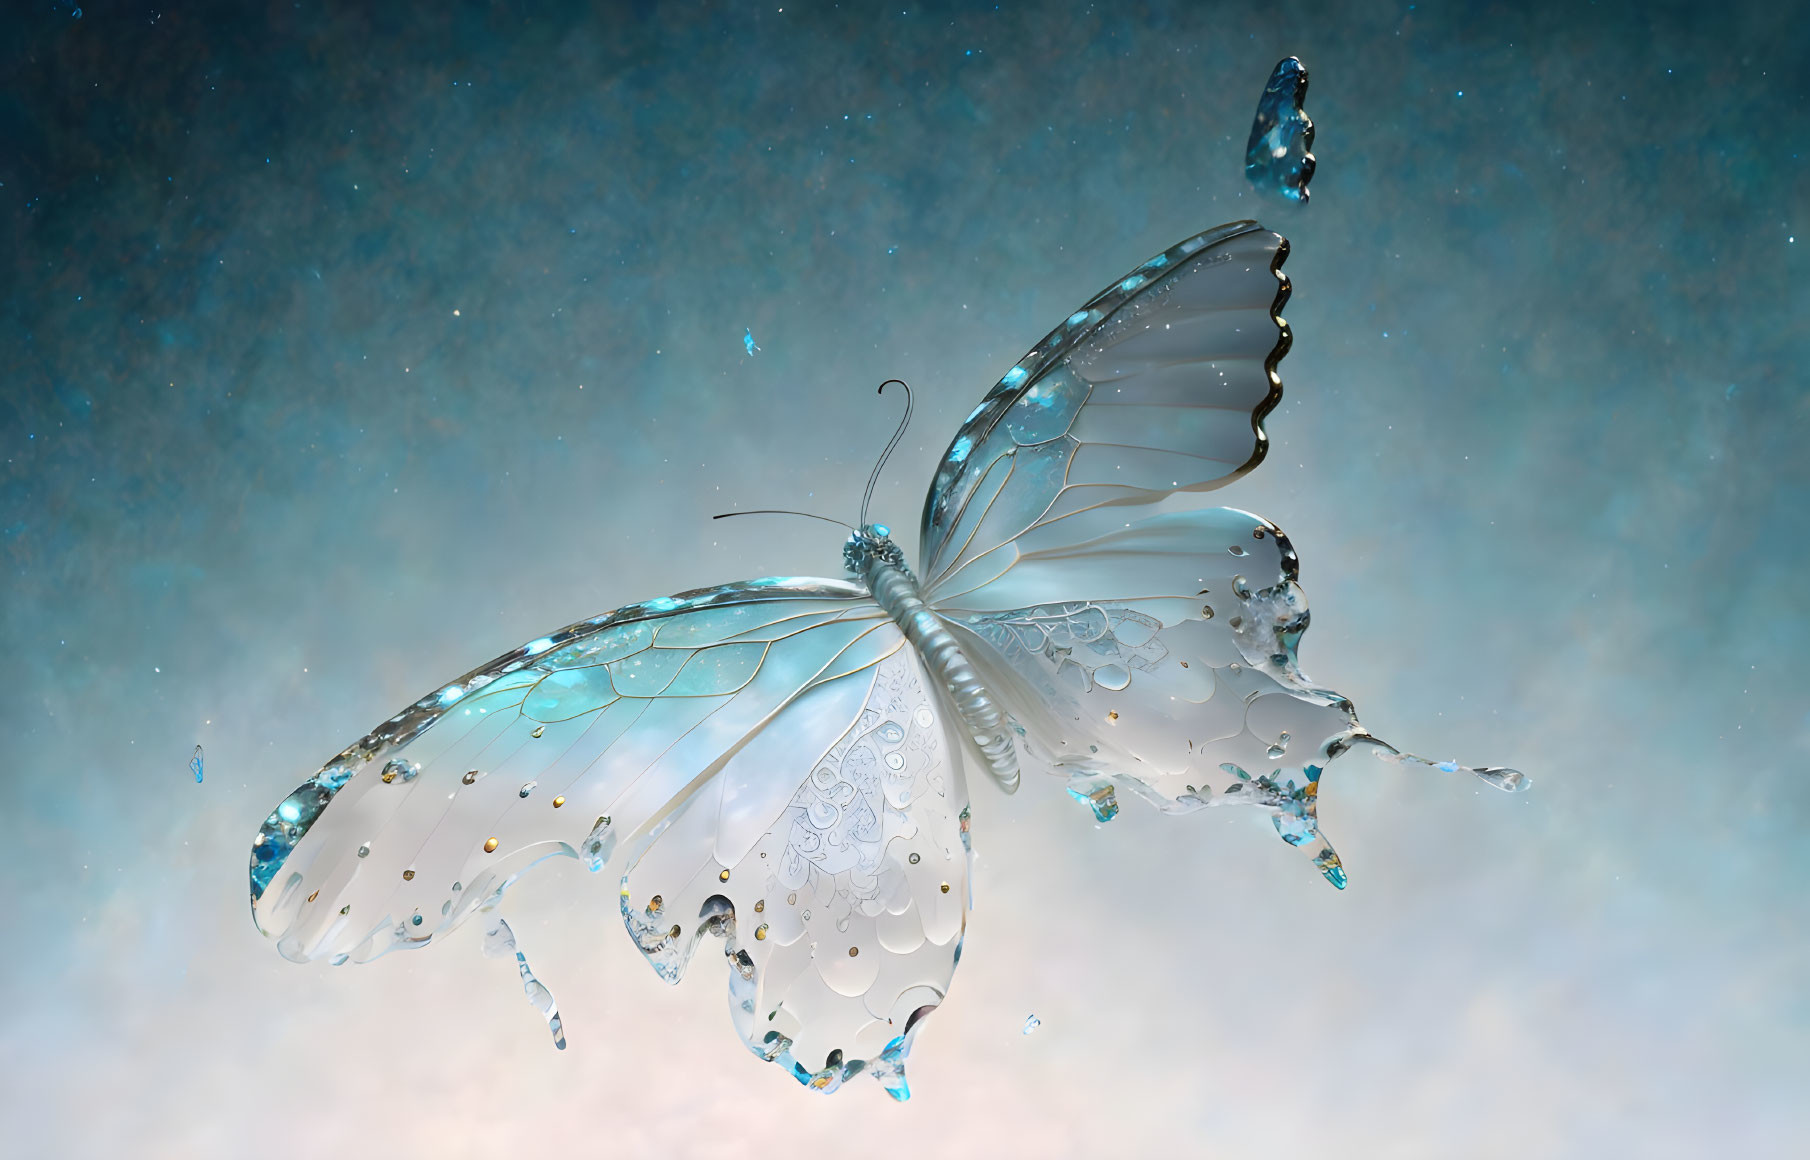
(345, 346)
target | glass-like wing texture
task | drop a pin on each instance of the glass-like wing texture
(770, 757)
(1159, 654)
(841, 917)
(1159, 384)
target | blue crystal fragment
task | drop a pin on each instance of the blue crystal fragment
(1277, 158)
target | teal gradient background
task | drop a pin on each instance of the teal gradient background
(343, 348)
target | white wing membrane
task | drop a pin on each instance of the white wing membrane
(1158, 385)
(842, 918)
(1179, 676)
(694, 731)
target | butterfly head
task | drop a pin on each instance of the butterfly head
(871, 543)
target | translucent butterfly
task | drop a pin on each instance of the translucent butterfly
(778, 767)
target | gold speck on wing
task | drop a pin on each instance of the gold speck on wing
(853, 951)
(945, 888)
(723, 877)
(314, 896)
(559, 801)
(674, 932)
(538, 730)
(490, 845)
(408, 875)
(1112, 714)
(760, 932)
(471, 775)
(760, 906)
(656, 904)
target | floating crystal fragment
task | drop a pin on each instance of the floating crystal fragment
(1097, 794)
(195, 765)
(1277, 158)
(748, 340)
(1031, 1023)
(499, 943)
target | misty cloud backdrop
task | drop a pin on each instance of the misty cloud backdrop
(344, 347)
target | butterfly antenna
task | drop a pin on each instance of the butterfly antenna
(783, 512)
(868, 495)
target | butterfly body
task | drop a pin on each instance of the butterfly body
(778, 768)
(871, 555)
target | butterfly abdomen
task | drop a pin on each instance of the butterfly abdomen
(896, 591)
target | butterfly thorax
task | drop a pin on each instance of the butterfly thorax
(871, 555)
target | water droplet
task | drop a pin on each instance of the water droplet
(471, 777)
(1236, 550)
(416, 920)
(499, 942)
(1031, 1023)
(599, 845)
(914, 859)
(538, 730)
(527, 789)
(364, 851)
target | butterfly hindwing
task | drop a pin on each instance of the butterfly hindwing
(1159, 658)
(841, 918)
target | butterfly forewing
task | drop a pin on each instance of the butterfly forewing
(1158, 385)
(596, 718)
